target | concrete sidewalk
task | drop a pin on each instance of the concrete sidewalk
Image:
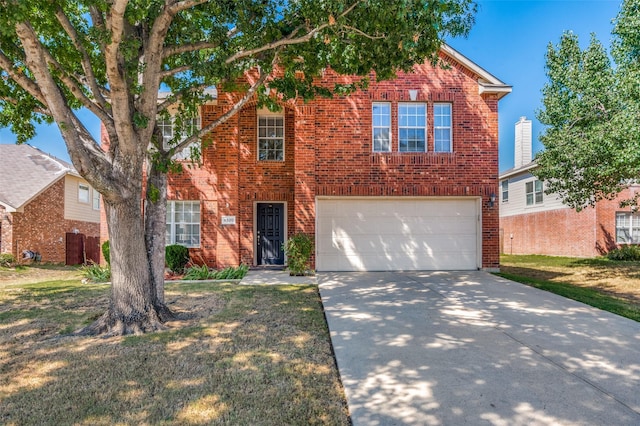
(471, 348)
(275, 277)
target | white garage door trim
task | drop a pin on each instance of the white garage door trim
(398, 233)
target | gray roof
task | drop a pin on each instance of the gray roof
(515, 171)
(25, 172)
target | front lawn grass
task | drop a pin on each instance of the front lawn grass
(248, 355)
(612, 286)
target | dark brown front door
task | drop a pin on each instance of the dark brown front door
(270, 233)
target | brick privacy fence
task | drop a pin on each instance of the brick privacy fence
(42, 227)
(565, 232)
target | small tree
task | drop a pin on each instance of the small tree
(299, 249)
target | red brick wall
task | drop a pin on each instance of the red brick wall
(561, 232)
(328, 151)
(564, 232)
(41, 226)
(606, 220)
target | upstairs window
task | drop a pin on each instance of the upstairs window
(271, 137)
(442, 127)
(412, 127)
(96, 200)
(183, 223)
(167, 127)
(534, 191)
(627, 228)
(83, 193)
(381, 117)
(505, 190)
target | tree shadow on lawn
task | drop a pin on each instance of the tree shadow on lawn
(539, 274)
(247, 356)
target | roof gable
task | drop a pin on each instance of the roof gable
(487, 82)
(25, 172)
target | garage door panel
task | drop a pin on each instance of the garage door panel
(393, 234)
(373, 243)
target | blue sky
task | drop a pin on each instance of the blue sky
(509, 40)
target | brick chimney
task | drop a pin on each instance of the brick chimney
(523, 143)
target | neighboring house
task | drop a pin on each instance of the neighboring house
(46, 207)
(532, 222)
(396, 177)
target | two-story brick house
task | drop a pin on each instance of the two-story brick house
(400, 176)
(533, 222)
(46, 207)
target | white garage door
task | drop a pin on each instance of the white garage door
(382, 234)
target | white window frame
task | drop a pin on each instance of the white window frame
(181, 214)
(83, 193)
(380, 126)
(631, 223)
(265, 134)
(438, 125)
(408, 120)
(504, 189)
(168, 132)
(95, 201)
(536, 194)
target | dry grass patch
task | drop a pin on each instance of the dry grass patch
(248, 355)
(37, 272)
(620, 278)
(600, 282)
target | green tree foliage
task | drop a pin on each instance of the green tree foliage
(113, 57)
(591, 112)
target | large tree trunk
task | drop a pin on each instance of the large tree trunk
(131, 309)
(155, 234)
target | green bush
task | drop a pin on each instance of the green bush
(7, 260)
(625, 253)
(176, 257)
(106, 252)
(96, 273)
(298, 249)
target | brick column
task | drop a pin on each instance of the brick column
(227, 168)
(304, 172)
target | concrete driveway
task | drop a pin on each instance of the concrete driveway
(451, 348)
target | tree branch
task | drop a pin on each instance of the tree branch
(174, 71)
(177, 96)
(186, 48)
(362, 33)
(115, 25)
(224, 117)
(42, 111)
(177, 6)
(75, 87)
(25, 82)
(63, 19)
(290, 39)
(84, 150)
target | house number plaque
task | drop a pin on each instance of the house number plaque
(228, 220)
